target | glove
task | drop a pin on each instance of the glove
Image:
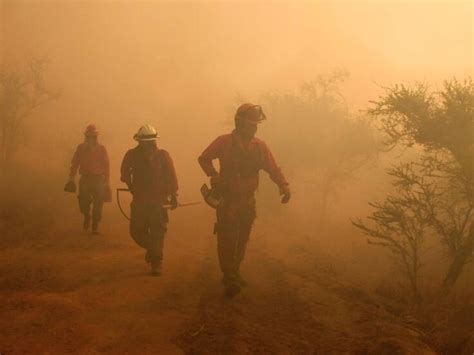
(70, 186)
(285, 193)
(174, 202)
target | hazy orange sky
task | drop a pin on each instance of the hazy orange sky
(181, 64)
(162, 47)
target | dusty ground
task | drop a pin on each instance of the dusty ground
(69, 292)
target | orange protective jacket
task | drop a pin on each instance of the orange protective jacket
(149, 173)
(90, 160)
(240, 163)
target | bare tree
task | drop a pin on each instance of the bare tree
(451, 211)
(331, 144)
(442, 124)
(401, 222)
(20, 95)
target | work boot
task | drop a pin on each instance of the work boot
(95, 227)
(232, 290)
(156, 269)
(231, 285)
(87, 222)
(241, 280)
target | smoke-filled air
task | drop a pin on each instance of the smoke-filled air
(236, 177)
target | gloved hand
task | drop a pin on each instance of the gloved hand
(285, 193)
(70, 185)
(174, 202)
(215, 181)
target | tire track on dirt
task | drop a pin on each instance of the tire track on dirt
(290, 307)
(208, 321)
(268, 317)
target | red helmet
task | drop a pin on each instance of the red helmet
(251, 113)
(91, 130)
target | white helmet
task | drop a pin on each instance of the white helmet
(146, 133)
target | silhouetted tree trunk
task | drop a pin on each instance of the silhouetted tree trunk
(442, 124)
(20, 95)
(462, 257)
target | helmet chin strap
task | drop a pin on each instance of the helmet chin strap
(243, 133)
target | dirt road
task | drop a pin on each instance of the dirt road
(70, 292)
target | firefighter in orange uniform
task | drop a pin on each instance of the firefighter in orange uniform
(241, 156)
(92, 161)
(150, 176)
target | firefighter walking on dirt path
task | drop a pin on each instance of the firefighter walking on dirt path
(241, 156)
(150, 176)
(92, 161)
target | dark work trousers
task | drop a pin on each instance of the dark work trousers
(91, 192)
(235, 218)
(148, 225)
